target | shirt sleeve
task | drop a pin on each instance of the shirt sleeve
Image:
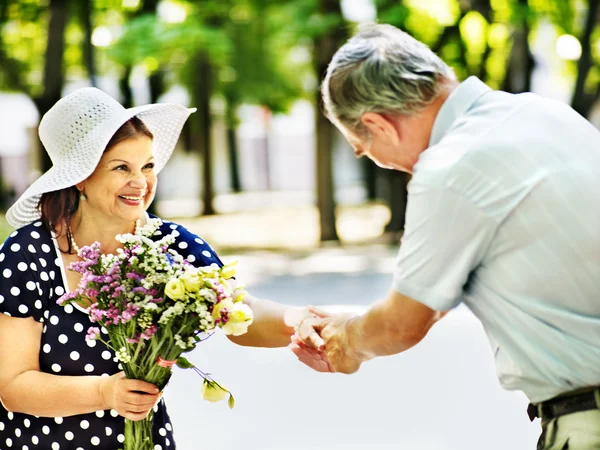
(445, 239)
(20, 287)
(192, 247)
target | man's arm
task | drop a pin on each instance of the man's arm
(390, 326)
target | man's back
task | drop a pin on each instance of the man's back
(527, 170)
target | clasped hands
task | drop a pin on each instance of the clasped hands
(324, 341)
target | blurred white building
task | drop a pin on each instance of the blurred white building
(18, 127)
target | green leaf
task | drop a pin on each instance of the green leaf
(183, 363)
(231, 401)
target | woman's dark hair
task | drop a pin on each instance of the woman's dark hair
(57, 207)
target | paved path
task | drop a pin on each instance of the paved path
(441, 395)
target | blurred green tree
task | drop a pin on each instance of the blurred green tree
(226, 48)
(321, 26)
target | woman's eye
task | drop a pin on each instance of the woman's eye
(121, 167)
(149, 166)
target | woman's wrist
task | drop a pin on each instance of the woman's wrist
(102, 385)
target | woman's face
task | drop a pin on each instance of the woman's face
(123, 184)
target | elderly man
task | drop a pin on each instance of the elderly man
(503, 214)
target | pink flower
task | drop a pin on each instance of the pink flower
(68, 296)
(151, 331)
(95, 314)
(92, 334)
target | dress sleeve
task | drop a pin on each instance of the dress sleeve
(446, 237)
(21, 293)
(192, 247)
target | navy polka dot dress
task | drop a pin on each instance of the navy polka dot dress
(32, 278)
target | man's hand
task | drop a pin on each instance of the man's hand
(328, 335)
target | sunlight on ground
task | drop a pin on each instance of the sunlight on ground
(289, 228)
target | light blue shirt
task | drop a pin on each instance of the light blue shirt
(504, 215)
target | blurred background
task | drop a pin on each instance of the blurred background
(265, 178)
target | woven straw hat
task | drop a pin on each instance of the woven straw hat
(75, 133)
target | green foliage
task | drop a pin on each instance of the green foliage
(260, 69)
(147, 37)
(22, 38)
(260, 50)
(246, 42)
(5, 228)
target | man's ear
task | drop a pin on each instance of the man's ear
(381, 126)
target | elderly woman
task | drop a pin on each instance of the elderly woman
(57, 390)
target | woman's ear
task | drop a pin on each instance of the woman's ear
(381, 126)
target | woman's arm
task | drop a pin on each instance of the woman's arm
(273, 323)
(24, 389)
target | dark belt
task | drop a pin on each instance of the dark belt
(564, 404)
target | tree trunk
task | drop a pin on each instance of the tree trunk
(581, 101)
(202, 126)
(370, 172)
(232, 149)
(521, 63)
(157, 84)
(54, 64)
(236, 185)
(125, 88)
(324, 48)
(398, 196)
(87, 11)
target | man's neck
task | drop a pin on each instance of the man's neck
(431, 112)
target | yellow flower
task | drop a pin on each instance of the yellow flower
(228, 270)
(213, 392)
(240, 318)
(175, 289)
(192, 282)
(219, 307)
(238, 294)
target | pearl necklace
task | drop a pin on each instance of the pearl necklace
(76, 247)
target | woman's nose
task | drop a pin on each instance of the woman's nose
(138, 181)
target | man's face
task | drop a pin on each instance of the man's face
(382, 148)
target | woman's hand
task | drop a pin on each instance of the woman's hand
(132, 399)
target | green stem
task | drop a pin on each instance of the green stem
(138, 434)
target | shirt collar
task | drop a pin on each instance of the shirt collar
(457, 103)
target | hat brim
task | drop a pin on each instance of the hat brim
(164, 120)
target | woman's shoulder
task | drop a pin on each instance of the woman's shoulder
(33, 235)
(178, 230)
(191, 246)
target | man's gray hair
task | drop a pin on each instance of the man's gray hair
(384, 70)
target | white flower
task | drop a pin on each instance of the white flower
(122, 356)
(208, 295)
(176, 310)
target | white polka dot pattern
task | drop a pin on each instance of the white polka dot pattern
(64, 350)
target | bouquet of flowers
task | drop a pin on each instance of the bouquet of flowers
(154, 305)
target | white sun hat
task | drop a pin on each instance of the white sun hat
(75, 133)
